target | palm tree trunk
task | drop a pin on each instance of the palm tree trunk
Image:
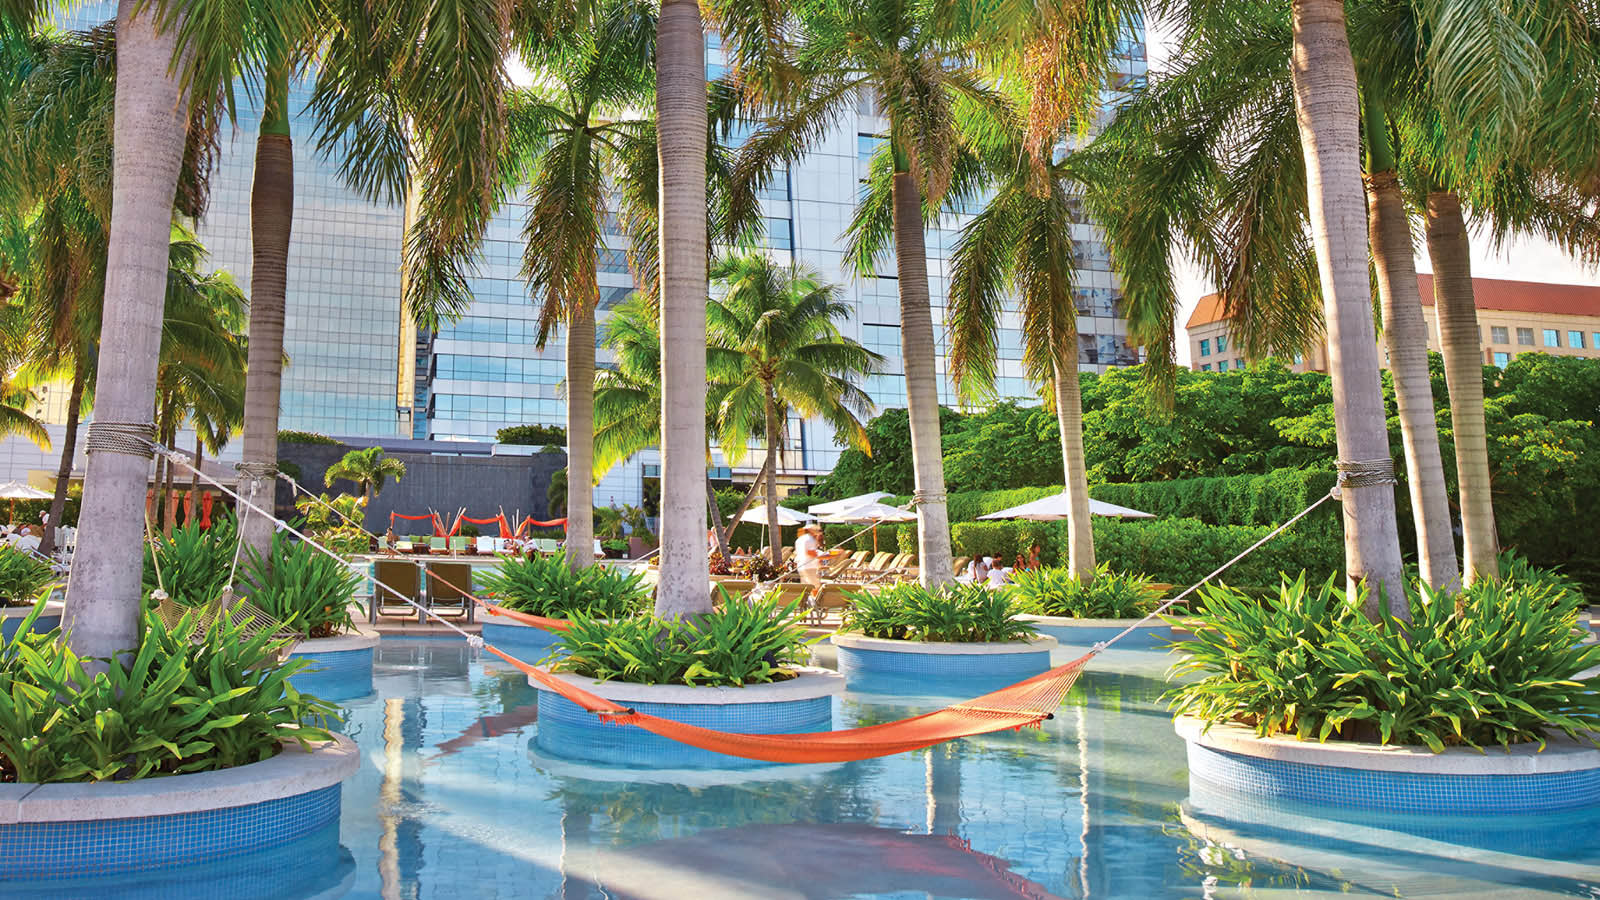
(69, 448)
(1074, 470)
(151, 118)
(1405, 335)
(774, 531)
(271, 222)
(1329, 119)
(193, 512)
(681, 111)
(922, 384)
(718, 533)
(170, 519)
(1449, 250)
(767, 468)
(580, 437)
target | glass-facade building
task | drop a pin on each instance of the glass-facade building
(356, 368)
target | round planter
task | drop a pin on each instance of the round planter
(1085, 633)
(1012, 660)
(59, 831)
(340, 667)
(11, 618)
(1412, 780)
(804, 703)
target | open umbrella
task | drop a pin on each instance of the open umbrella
(836, 506)
(1054, 507)
(869, 513)
(786, 516)
(16, 490)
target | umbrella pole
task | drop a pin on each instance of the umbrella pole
(874, 538)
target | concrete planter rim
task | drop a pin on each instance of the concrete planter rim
(1042, 643)
(51, 607)
(490, 618)
(361, 639)
(1075, 622)
(1560, 755)
(810, 684)
(293, 771)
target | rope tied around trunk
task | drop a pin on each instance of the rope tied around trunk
(131, 438)
(920, 497)
(1357, 473)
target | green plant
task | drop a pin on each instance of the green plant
(305, 437)
(190, 699)
(303, 588)
(532, 435)
(1515, 569)
(23, 576)
(739, 643)
(192, 565)
(957, 612)
(757, 567)
(1495, 664)
(1111, 595)
(546, 586)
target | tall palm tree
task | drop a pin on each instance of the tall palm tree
(783, 323)
(1022, 240)
(15, 348)
(370, 469)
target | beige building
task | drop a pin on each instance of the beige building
(1513, 317)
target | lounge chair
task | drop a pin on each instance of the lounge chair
(449, 599)
(485, 545)
(401, 575)
(461, 545)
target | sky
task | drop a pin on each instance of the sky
(1522, 260)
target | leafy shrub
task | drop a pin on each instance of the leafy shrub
(757, 567)
(304, 588)
(23, 576)
(546, 586)
(957, 612)
(1493, 665)
(1110, 595)
(305, 437)
(191, 699)
(1515, 569)
(1183, 551)
(192, 565)
(737, 644)
(532, 435)
(335, 522)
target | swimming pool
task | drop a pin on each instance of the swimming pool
(454, 802)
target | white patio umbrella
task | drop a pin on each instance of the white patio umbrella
(869, 513)
(1054, 507)
(16, 490)
(786, 516)
(836, 506)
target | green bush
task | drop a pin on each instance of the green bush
(1183, 551)
(192, 565)
(29, 511)
(1495, 664)
(965, 613)
(1110, 595)
(739, 643)
(532, 435)
(547, 586)
(304, 588)
(191, 699)
(305, 437)
(1515, 569)
(23, 577)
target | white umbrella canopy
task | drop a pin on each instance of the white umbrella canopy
(786, 516)
(16, 490)
(1054, 507)
(869, 514)
(836, 506)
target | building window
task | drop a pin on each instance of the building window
(1596, 343)
(1525, 337)
(780, 236)
(1222, 365)
(1238, 364)
(866, 146)
(1222, 344)
(1205, 347)
(1205, 367)
(613, 260)
(1498, 334)
(1502, 359)
(1552, 337)
(1575, 340)
(1299, 360)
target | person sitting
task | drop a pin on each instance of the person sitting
(27, 539)
(980, 568)
(1035, 556)
(998, 576)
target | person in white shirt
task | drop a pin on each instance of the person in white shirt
(808, 558)
(997, 576)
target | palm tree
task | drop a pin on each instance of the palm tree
(1023, 240)
(15, 348)
(783, 325)
(368, 468)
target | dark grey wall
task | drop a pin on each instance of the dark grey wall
(482, 483)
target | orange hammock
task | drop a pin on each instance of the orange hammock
(1024, 704)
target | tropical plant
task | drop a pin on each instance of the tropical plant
(306, 437)
(193, 565)
(544, 435)
(548, 586)
(1059, 592)
(954, 612)
(192, 698)
(368, 468)
(23, 576)
(783, 324)
(1495, 664)
(740, 642)
(303, 588)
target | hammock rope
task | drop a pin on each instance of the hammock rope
(1026, 704)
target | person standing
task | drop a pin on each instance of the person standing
(808, 559)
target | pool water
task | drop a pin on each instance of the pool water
(453, 801)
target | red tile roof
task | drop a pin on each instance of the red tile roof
(1526, 296)
(1208, 310)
